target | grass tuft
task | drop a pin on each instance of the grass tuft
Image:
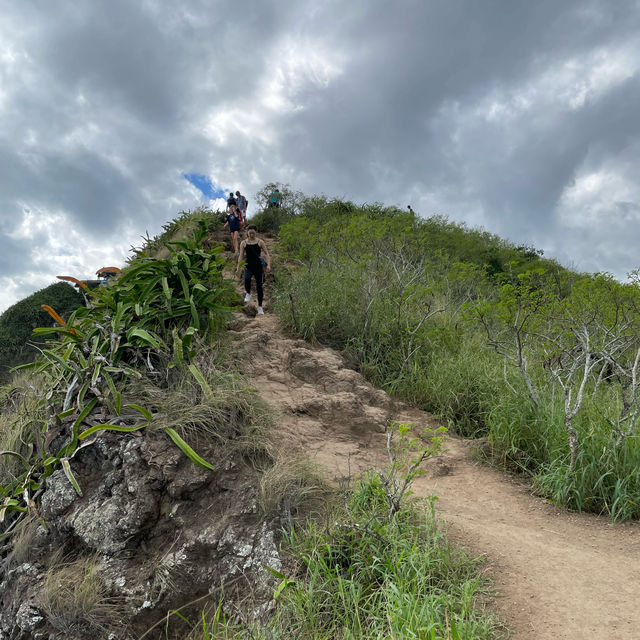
(77, 603)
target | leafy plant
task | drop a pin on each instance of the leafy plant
(140, 325)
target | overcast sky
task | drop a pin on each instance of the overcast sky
(522, 117)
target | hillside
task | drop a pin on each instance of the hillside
(494, 339)
(17, 343)
(159, 491)
(212, 430)
(556, 574)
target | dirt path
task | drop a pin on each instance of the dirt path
(557, 574)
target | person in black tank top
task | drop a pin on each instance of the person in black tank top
(250, 251)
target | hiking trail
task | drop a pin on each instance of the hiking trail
(556, 574)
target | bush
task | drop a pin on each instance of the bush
(17, 343)
(270, 220)
(364, 575)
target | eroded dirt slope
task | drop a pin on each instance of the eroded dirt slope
(557, 574)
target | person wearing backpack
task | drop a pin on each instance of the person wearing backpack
(255, 266)
(241, 201)
(231, 201)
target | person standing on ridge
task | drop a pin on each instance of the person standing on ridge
(241, 201)
(233, 222)
(231, 201)
(275, 198)
(250, 250)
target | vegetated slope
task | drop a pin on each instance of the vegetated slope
(115, 514)
(557, 574)
(494, 339)
(111, 521)
(19, 320)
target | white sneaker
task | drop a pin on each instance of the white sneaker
(260, 311)
(247, 297)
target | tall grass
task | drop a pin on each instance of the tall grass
(362, 576)
(364, 283)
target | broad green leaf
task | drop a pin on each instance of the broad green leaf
(68, 351)
(115, 394)
(55, 357)
(143, 335)
(185, 286)
(187, 450)
(96, 374)
(178, 354)
(109, 427)
(194, 314)
(64, 414)
(10, 504)
(143, 410)
(83, 390)
(197, 374)
(187, 338)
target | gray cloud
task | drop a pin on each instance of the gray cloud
(517, 116)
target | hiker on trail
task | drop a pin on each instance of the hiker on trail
(233, 222)
(275, 198)
(241, 201)
(410, 209)
(231, 201)
(250, 250)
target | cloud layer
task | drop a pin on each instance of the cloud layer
(520, 117)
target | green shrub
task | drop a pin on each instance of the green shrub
(140, 325)
(17, 343)
(364, 576)
(480, 332)
(270, 220)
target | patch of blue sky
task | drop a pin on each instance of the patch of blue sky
(204, 184)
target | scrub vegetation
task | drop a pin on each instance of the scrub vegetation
(142, 331)
(373, 563)
(148, 352)
(17, 342)
(493, 338)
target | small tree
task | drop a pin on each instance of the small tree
(291, 200)
(594, 333)
(509, 322)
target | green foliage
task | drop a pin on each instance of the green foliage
(125, 334)
(494, 339)
(271, 219)
(365, 576)
(362, 575)
(184, 221)
(19, 320)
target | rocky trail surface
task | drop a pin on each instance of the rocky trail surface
(556, 574)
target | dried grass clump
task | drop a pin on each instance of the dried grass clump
(77, 603)
(21, 421)
(21, 542)
(293, 483)
(228, 412)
